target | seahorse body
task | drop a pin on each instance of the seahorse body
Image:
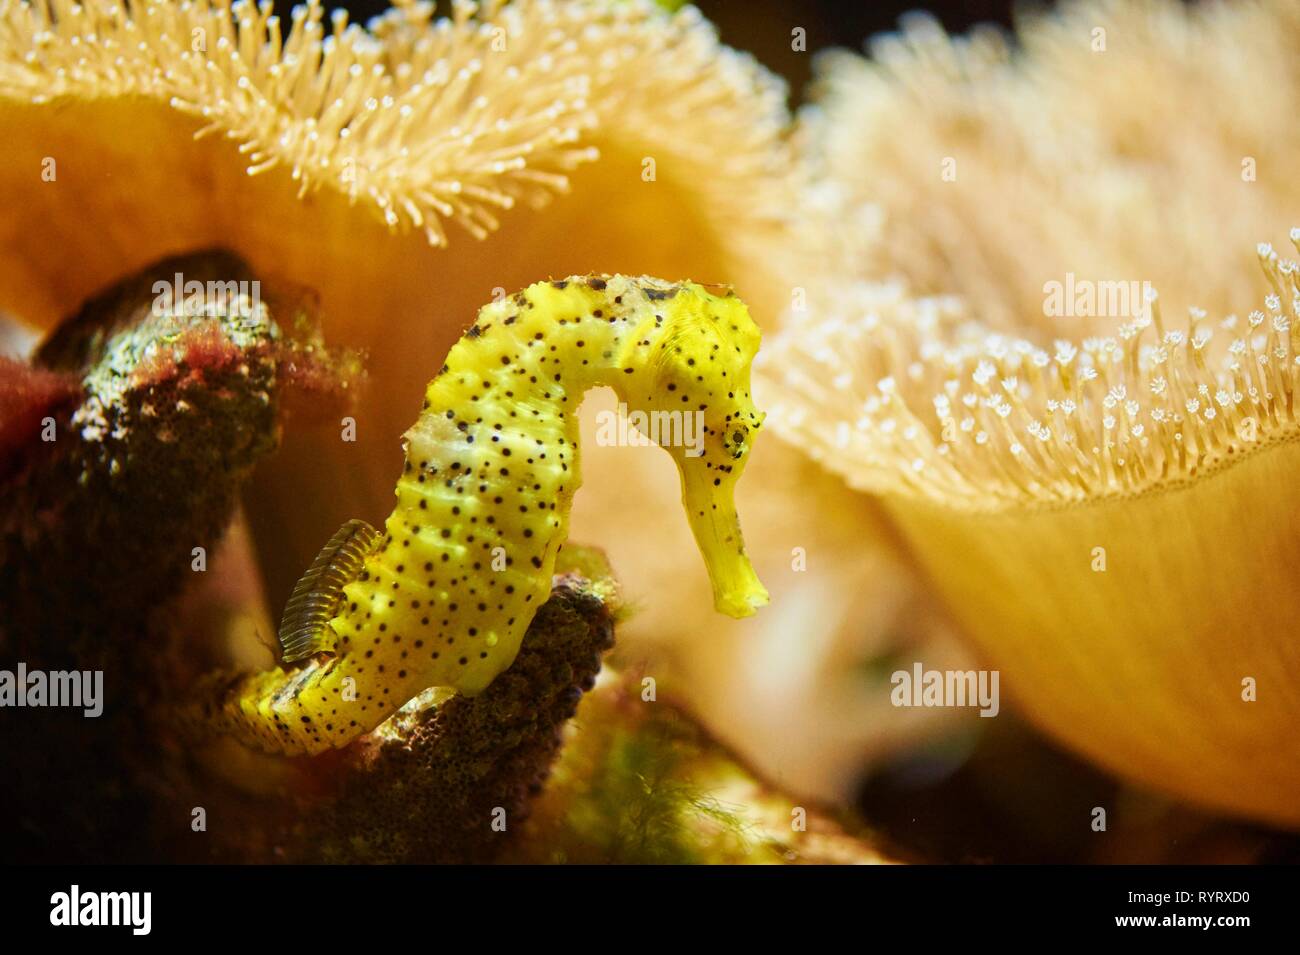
(445, 594)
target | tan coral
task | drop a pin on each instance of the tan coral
(1098, 495)
(1109, 523)
(660, 149)
(1163, 156)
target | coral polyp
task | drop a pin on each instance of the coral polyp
(938, 406)
(421, 122)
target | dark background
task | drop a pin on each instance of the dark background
(763, 26)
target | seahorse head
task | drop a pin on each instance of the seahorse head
(696, 384)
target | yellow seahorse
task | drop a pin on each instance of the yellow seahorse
(443, 596)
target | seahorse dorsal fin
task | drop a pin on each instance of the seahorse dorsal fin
(304, 628)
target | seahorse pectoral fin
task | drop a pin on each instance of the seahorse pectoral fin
(711, 510)
(304, 628)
